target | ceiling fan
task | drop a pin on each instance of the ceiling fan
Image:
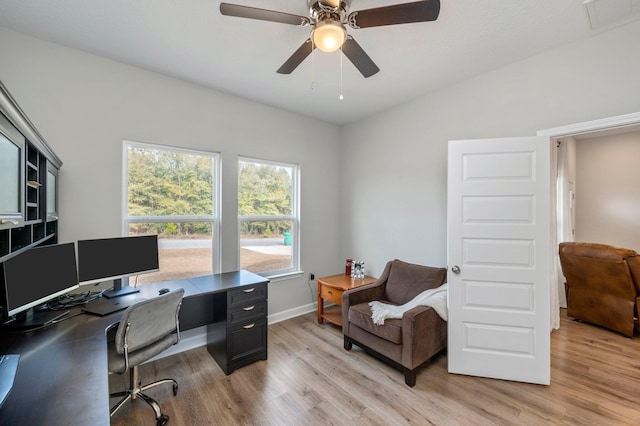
(327, 19)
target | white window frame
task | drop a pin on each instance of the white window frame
(214, 218)
(294, 217)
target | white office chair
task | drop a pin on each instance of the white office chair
(147, 328)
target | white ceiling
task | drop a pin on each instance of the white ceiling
(191, 40)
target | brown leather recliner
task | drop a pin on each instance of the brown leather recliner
(603, 284)
(405, 343)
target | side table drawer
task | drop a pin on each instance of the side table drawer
(331, 294)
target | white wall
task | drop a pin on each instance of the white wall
(394, 164)
(608, 190)
(390, 169)
(85, 106)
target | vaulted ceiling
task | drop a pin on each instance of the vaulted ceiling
(193, 41)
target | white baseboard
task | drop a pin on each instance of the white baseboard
(189, 339)
(291, 313)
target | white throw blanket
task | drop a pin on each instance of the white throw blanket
(435, 297)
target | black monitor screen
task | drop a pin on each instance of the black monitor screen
(110, 258)
(38, 275)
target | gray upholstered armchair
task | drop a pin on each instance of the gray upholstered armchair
(405, 343)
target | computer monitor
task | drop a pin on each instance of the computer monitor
(114, 258)
(36, 276)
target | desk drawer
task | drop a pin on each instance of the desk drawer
(247, 295)
(254, 311)
(248, 341)
(331, 294)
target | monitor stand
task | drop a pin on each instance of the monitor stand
(102, 307)
(118, 290)
(35, 319)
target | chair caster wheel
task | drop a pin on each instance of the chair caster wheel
(175, 390)
(163, 420)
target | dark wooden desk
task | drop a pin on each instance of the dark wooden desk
(62, 378)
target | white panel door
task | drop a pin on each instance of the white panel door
(499, 255)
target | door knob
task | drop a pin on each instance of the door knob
(455, 269)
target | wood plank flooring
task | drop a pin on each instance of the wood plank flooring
(309, 379)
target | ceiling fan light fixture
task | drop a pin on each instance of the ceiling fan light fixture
(329, 36)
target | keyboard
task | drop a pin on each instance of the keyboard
(8, 368)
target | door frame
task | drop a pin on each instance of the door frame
(609, 123)
(619, 122)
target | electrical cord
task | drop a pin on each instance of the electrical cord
(313, 298)
(67, 301)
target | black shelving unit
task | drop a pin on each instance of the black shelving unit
(32, 226)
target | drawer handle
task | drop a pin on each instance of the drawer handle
(329, 292)
(249, 290)
(11, 221)
(249, 308)
(249, 326)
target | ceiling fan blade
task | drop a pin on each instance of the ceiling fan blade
(359, 58)
(419, 11)
(297, 57)
(262, 14)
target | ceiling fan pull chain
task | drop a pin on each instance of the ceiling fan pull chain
(341, 55)
(313, 55)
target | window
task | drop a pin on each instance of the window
(174, 193)
(268, 216)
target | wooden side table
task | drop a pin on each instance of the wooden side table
(330, 289)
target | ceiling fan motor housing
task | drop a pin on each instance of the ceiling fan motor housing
(324, 11)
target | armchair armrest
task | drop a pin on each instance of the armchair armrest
(373, 291)
(634, 269)
(424, 334)
(367, 293)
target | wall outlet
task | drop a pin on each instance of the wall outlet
(312, 276)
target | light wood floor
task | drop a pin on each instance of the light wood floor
(310, 379)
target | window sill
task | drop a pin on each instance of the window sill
(285, 276)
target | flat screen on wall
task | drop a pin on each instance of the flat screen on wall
(111, 258)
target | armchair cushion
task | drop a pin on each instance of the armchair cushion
(360, 315)
(407, 280)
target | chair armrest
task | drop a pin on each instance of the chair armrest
(367, 293)
(634, 268)
(424, 334)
